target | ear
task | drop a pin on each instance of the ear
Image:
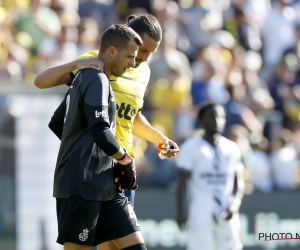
(112, 51)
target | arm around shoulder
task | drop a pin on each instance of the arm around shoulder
(55, 76)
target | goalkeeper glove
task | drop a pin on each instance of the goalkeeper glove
(125, 173)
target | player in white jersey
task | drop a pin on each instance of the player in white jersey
(211, 166)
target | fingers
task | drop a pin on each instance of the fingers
(125, 183)
(95, 67)
(174, 146)
(182, 226)
(125, 176)
(170, 151)
(166, 142)
(131, 185)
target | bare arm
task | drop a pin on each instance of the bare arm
(181, 198)
(238, 196)
(143, 129)
(59, 75)
(236, 201)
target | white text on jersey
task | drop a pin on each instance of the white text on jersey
(100, 113)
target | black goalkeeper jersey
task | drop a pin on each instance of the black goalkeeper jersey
(82, 168)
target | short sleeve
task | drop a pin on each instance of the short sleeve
(95, 98)
(185, 157)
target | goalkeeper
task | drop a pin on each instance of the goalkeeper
(129, 91)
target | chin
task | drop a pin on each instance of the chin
(117, 74)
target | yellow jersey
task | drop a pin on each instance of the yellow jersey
(129, 90)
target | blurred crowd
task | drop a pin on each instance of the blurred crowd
(243, 54)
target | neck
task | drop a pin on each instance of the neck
(212, 138)
(106, 66)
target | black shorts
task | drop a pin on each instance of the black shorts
(91, 223)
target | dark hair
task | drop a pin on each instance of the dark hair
(118, 35)
(145, 24)
(204, 107)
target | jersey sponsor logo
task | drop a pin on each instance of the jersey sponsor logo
(214, 178)
(84, 235)
(100, 114)
(125, 111)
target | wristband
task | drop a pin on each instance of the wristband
(125, 160)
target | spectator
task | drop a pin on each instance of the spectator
(211, 86)
(102, 12)
(88, 35)
(257, 95)
(281, 90)
(38, 21)
(279, 27)
(261, 175)
(285, 161)
(238, 113)
(168, 57)
(171, 100)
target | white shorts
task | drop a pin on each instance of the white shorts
(206, 234)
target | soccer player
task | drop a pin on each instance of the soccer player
(211, 166)
(129, 90)
(90, 209)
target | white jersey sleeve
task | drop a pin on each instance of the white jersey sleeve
(186, 159)
(237, 158)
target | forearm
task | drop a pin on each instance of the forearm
(7, 142)
(181, 195)
(143, 129)
(238, 196)
(105, 140)
(54, 76)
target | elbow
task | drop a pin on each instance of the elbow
(38, 82)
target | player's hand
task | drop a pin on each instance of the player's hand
(92, 63)
(226, 215)
(125, 177)
(125, 171)
(167, 151)
(181, 222)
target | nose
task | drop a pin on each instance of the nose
(132, 62)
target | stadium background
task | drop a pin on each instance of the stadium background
(241, 53)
